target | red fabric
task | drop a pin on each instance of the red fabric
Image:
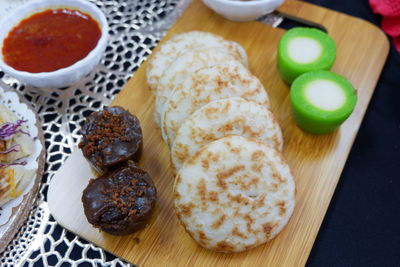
(390, 11)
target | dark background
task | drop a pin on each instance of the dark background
(362, 224)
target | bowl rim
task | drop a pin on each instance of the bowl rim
(29, 9)
(249, 3)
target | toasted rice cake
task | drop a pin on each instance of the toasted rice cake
(229, 79)
(234, 194)
(187, 64)
(220, 118)
(183, 42)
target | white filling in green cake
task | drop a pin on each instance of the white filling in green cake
(325, 94)
(304, 50)
(301, 50)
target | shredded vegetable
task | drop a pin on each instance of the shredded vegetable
(8, 129)
(14, 148)
(6, 164)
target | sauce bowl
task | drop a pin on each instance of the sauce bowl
(237, 10)
(64, 76)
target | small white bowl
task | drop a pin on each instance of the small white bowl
(65, 76)
(237, 10)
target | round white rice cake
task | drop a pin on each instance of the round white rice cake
(234, 194)
(208, 84)
(180, 43)
(220, 118)
(187, 64)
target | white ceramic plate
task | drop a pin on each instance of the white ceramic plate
(14, 212)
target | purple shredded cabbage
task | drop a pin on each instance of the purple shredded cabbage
(4, 164)
(14, 148)
(8, 129)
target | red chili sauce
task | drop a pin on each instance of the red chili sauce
(50, 40)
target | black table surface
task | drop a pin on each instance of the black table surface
(362, 224)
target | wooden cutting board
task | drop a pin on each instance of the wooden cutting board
(316, 161)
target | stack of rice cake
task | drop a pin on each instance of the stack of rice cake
(233, 190)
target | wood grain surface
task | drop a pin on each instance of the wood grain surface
(316, 161)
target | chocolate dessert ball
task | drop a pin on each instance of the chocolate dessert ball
(120, 202)
(110, 137)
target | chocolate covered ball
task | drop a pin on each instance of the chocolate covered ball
(120, 202)
(110, 137)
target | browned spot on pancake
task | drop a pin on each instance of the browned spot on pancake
(241, 181)
(235, 150)
(207, 137)
(274, 187)
(277, 176)
(202, 190)
(210, 111)
(181, 152)
(193, 134)
(267, 228)
(230, 172)
(258, 203)
(220, 221)
(248, 226)
(227, 143)
(220, 84)
(173, 105)
(236, 232)
(205, 164)
(224, 246)
(249, 94)
(254, 181)
(186, 209)
(226, 128)
(257, 155)
(257, 167)
(216, 211)
(282, 207)
(214, 157)
(196, 83)
(249, 222)
(276, 142)
(238, 198)
(193, 158)
(213, 196)
(221, 183)
(249, 132)
(203, 236)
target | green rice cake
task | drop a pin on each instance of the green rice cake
(321, 101)
(304, 49)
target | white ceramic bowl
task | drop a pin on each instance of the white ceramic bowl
(64, 76)
(243, 10)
